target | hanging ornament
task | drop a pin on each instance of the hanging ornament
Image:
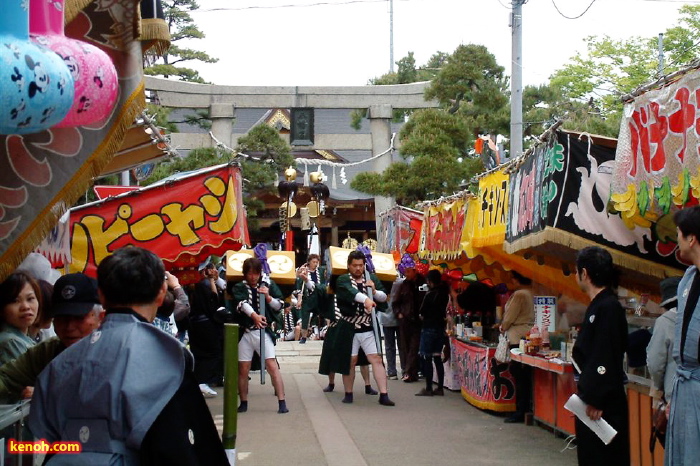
(36, 88)
(349, 242)
(334, 183)
(316, 177)
(93, 72)
(306, 174)
(290, 174)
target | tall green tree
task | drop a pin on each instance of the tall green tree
(545, 104)
(436, 143)
(182, 27)
(610, 68)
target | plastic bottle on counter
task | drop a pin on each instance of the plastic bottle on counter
(545, 340)
(459, 326)
(535, 339)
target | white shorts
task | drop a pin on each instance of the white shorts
(366, 341)
(250, 344)
(289, 336)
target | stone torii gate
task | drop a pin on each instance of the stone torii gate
(222, 102)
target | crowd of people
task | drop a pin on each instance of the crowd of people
(85, 350)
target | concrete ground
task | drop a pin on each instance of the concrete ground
(321, 430)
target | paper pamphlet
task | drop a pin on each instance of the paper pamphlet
(600, 427)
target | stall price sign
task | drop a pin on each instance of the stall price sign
(545, 312)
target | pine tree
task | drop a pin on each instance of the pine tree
(181, 27)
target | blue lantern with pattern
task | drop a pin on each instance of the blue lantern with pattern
(36, 87)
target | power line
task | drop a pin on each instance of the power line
(509, 8)
(573, 17)
(291, 5)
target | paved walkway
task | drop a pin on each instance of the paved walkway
(321, 430)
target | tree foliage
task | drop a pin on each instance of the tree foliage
(182, 27)
(436, 143)
(593, 83)
(270, 154)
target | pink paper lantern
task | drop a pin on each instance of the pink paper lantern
(96, 86)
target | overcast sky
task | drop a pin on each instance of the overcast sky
(346, 42)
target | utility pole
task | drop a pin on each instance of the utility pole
(391, 36)
(661, 54)
(516, 79)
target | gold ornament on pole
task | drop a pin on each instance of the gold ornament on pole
(290, 174)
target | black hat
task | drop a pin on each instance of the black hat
(669, 290)
(74, 294)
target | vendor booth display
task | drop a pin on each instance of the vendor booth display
(182, 220)
(484, 382)
(553, 383)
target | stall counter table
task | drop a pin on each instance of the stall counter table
(484, 382)
(553, 384)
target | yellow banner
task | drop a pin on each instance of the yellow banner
(489, 227)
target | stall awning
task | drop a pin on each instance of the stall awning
(143, 143)
(558, 205)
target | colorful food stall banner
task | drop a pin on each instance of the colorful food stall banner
(658, 168)
(444, 229)
(558, 202)
(42, 174)
(183, 220)
(399, 230)
(492, 209)
(485, 382)
(546, 313)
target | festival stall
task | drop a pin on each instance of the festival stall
(656, 173)
(183, 219)
(472, 369)
(558, 205)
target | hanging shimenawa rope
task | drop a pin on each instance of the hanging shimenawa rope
(327, 163)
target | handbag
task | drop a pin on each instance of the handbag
(503, 349)
(659, 423)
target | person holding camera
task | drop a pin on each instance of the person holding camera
(175, 304)
(206, 334)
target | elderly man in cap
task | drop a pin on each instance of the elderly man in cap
(127, 393)
(660, 361)
(76, 311)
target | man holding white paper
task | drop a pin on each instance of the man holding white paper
(598, 355)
